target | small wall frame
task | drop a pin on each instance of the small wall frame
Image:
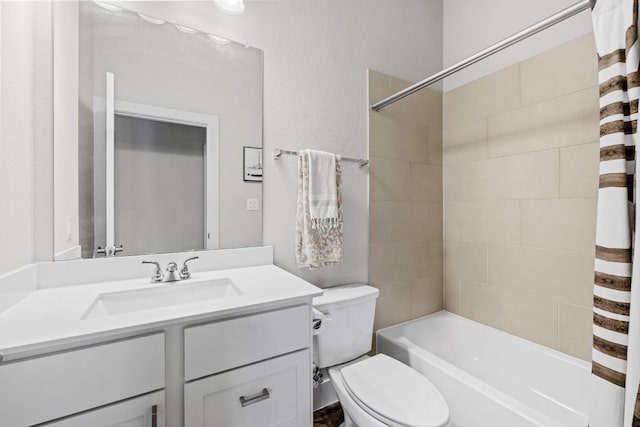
(252, 164)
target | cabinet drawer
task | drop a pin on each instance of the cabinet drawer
(227, 344)
(50, 387)
(143, 411)
(276, 392)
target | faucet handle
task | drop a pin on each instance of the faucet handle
(158, 275)
(185, 273)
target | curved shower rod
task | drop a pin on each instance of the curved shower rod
(513, 39)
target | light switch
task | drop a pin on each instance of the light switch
(253, 205)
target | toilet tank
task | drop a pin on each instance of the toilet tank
(347, 323)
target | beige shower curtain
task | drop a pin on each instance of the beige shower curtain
(616, 296)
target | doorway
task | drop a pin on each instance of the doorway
(159, 186)
(156, 179)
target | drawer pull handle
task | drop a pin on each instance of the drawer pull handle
(258, 397)
(154, 416)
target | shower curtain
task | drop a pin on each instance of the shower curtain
(616, 296)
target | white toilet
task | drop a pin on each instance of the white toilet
(374, 391)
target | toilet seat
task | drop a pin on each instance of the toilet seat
(394, 394)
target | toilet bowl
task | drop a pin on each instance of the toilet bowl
(376, 391)
(379, 391)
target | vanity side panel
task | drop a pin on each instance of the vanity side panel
(45, 388)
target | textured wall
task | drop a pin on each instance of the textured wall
(520, 186)
(25, 134)
(472, 25)
(316, 54)
(405, 207)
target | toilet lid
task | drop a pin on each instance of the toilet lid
(394, 393)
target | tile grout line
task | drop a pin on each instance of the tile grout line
(521, 153)
(560, 192)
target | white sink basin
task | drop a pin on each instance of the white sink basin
(165, 295)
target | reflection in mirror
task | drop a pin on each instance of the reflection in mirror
(164, 114)
(154, 158)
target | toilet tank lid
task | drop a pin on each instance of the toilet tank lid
(345, 295)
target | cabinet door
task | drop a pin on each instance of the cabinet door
(143, 411)
(57, 385)
(276, 392)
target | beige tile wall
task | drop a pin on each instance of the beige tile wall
(520, 184)
(405, 202)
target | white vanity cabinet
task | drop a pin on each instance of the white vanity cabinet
(240, 358)
(249, 371)
(50, 387)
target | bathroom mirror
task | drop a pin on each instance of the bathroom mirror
(152, 121)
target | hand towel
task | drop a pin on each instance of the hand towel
(319, 235)
(323, 192)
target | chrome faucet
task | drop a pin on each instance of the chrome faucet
(185, 273)
(171, 274)
(158, 275)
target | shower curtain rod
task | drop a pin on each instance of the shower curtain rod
(513, 39)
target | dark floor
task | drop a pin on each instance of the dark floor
(329, 416)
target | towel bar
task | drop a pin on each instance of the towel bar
(278, 152)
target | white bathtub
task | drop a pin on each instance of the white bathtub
(490, 378)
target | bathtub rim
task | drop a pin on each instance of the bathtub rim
(447, 314)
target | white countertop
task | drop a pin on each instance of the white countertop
(51, 319)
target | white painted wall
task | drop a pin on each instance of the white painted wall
(316, 53)
(25, 134)
(472, 25)
(16, 186)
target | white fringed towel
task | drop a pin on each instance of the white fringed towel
(319, 237)
(323, 191)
